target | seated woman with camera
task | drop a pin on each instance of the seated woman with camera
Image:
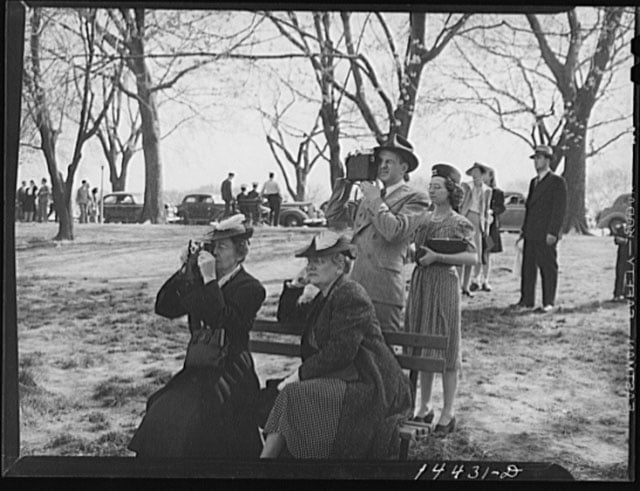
(207, 410)
(346, 399)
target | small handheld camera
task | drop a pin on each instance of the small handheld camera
(361, 166)
(190, 269)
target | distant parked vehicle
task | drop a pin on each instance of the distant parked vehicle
(122, 206)
(612, 216)
(197, 208)
(513, 217)
(298, 213)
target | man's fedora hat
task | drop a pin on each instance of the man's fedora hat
(326, 243)
(477, 165)
(400, 145)
(232, 227)
(447, 171)
(545, 150)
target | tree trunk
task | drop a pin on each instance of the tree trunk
(153, 209)
(575, 175)
(65, 215)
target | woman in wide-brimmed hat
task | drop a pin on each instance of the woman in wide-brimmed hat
(347, 397)
(207, 410)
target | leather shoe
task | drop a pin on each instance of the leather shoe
(466, 293)
(442, 430)
(547, 309)
(426, 419)
(486, 287)
(474, 286)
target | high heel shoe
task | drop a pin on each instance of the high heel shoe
(426, 419)
(443, 430)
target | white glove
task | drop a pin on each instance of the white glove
(207, 265)
(289, 380)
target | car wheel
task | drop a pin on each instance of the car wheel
(615, 223)
(292, 221)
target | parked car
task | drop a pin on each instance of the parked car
(199, 208)
(122, 206)
(298, 213)
(615, 214)
(513, 217)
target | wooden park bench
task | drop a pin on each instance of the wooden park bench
(415, 362)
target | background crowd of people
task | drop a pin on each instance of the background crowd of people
(36, 204)
(249, 203)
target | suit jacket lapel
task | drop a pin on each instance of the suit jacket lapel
(538, 189)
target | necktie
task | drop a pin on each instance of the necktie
(383, 193)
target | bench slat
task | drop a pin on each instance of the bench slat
(274, 348)
(415, 340)
(421, 364)
(268, 325)
(392, 337)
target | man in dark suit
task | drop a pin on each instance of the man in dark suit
(227, 195)
(544, 213)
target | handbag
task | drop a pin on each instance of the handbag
(206, 349)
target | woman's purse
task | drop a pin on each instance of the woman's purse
(206, 348)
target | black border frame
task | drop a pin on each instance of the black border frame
(49, 466)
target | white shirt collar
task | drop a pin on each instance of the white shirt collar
(392, 188)
(222, 281)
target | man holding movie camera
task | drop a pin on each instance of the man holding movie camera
(384, 222)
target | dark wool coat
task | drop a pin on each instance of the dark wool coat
(497, 206)
(545, 207)
(207, 412)
(351, 347)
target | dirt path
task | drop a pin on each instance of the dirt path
(534, 387)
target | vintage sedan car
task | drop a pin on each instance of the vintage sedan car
(612, 216)
(298, 213)
(199, 208)
(513, 217)
(122, 206)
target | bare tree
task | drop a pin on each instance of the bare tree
(519, 83)
(181, 41)
(282, 138)
(408, 70)
(117, 149)
(361, 78)
(57, 85)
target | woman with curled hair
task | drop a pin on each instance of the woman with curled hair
(433, 305)
(207, 410)
(346, 399)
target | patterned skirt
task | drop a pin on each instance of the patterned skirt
(306, 414)
(433, 307)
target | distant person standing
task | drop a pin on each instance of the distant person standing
(93, 206)
(83, 198)
(271, 191)
(621, 237)
(227, 195)
(493, 241)
(255, 201)
(475, 207)
(545, 208)
(44, 194)
(20, 200)
(242, 201)
(30, 201)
